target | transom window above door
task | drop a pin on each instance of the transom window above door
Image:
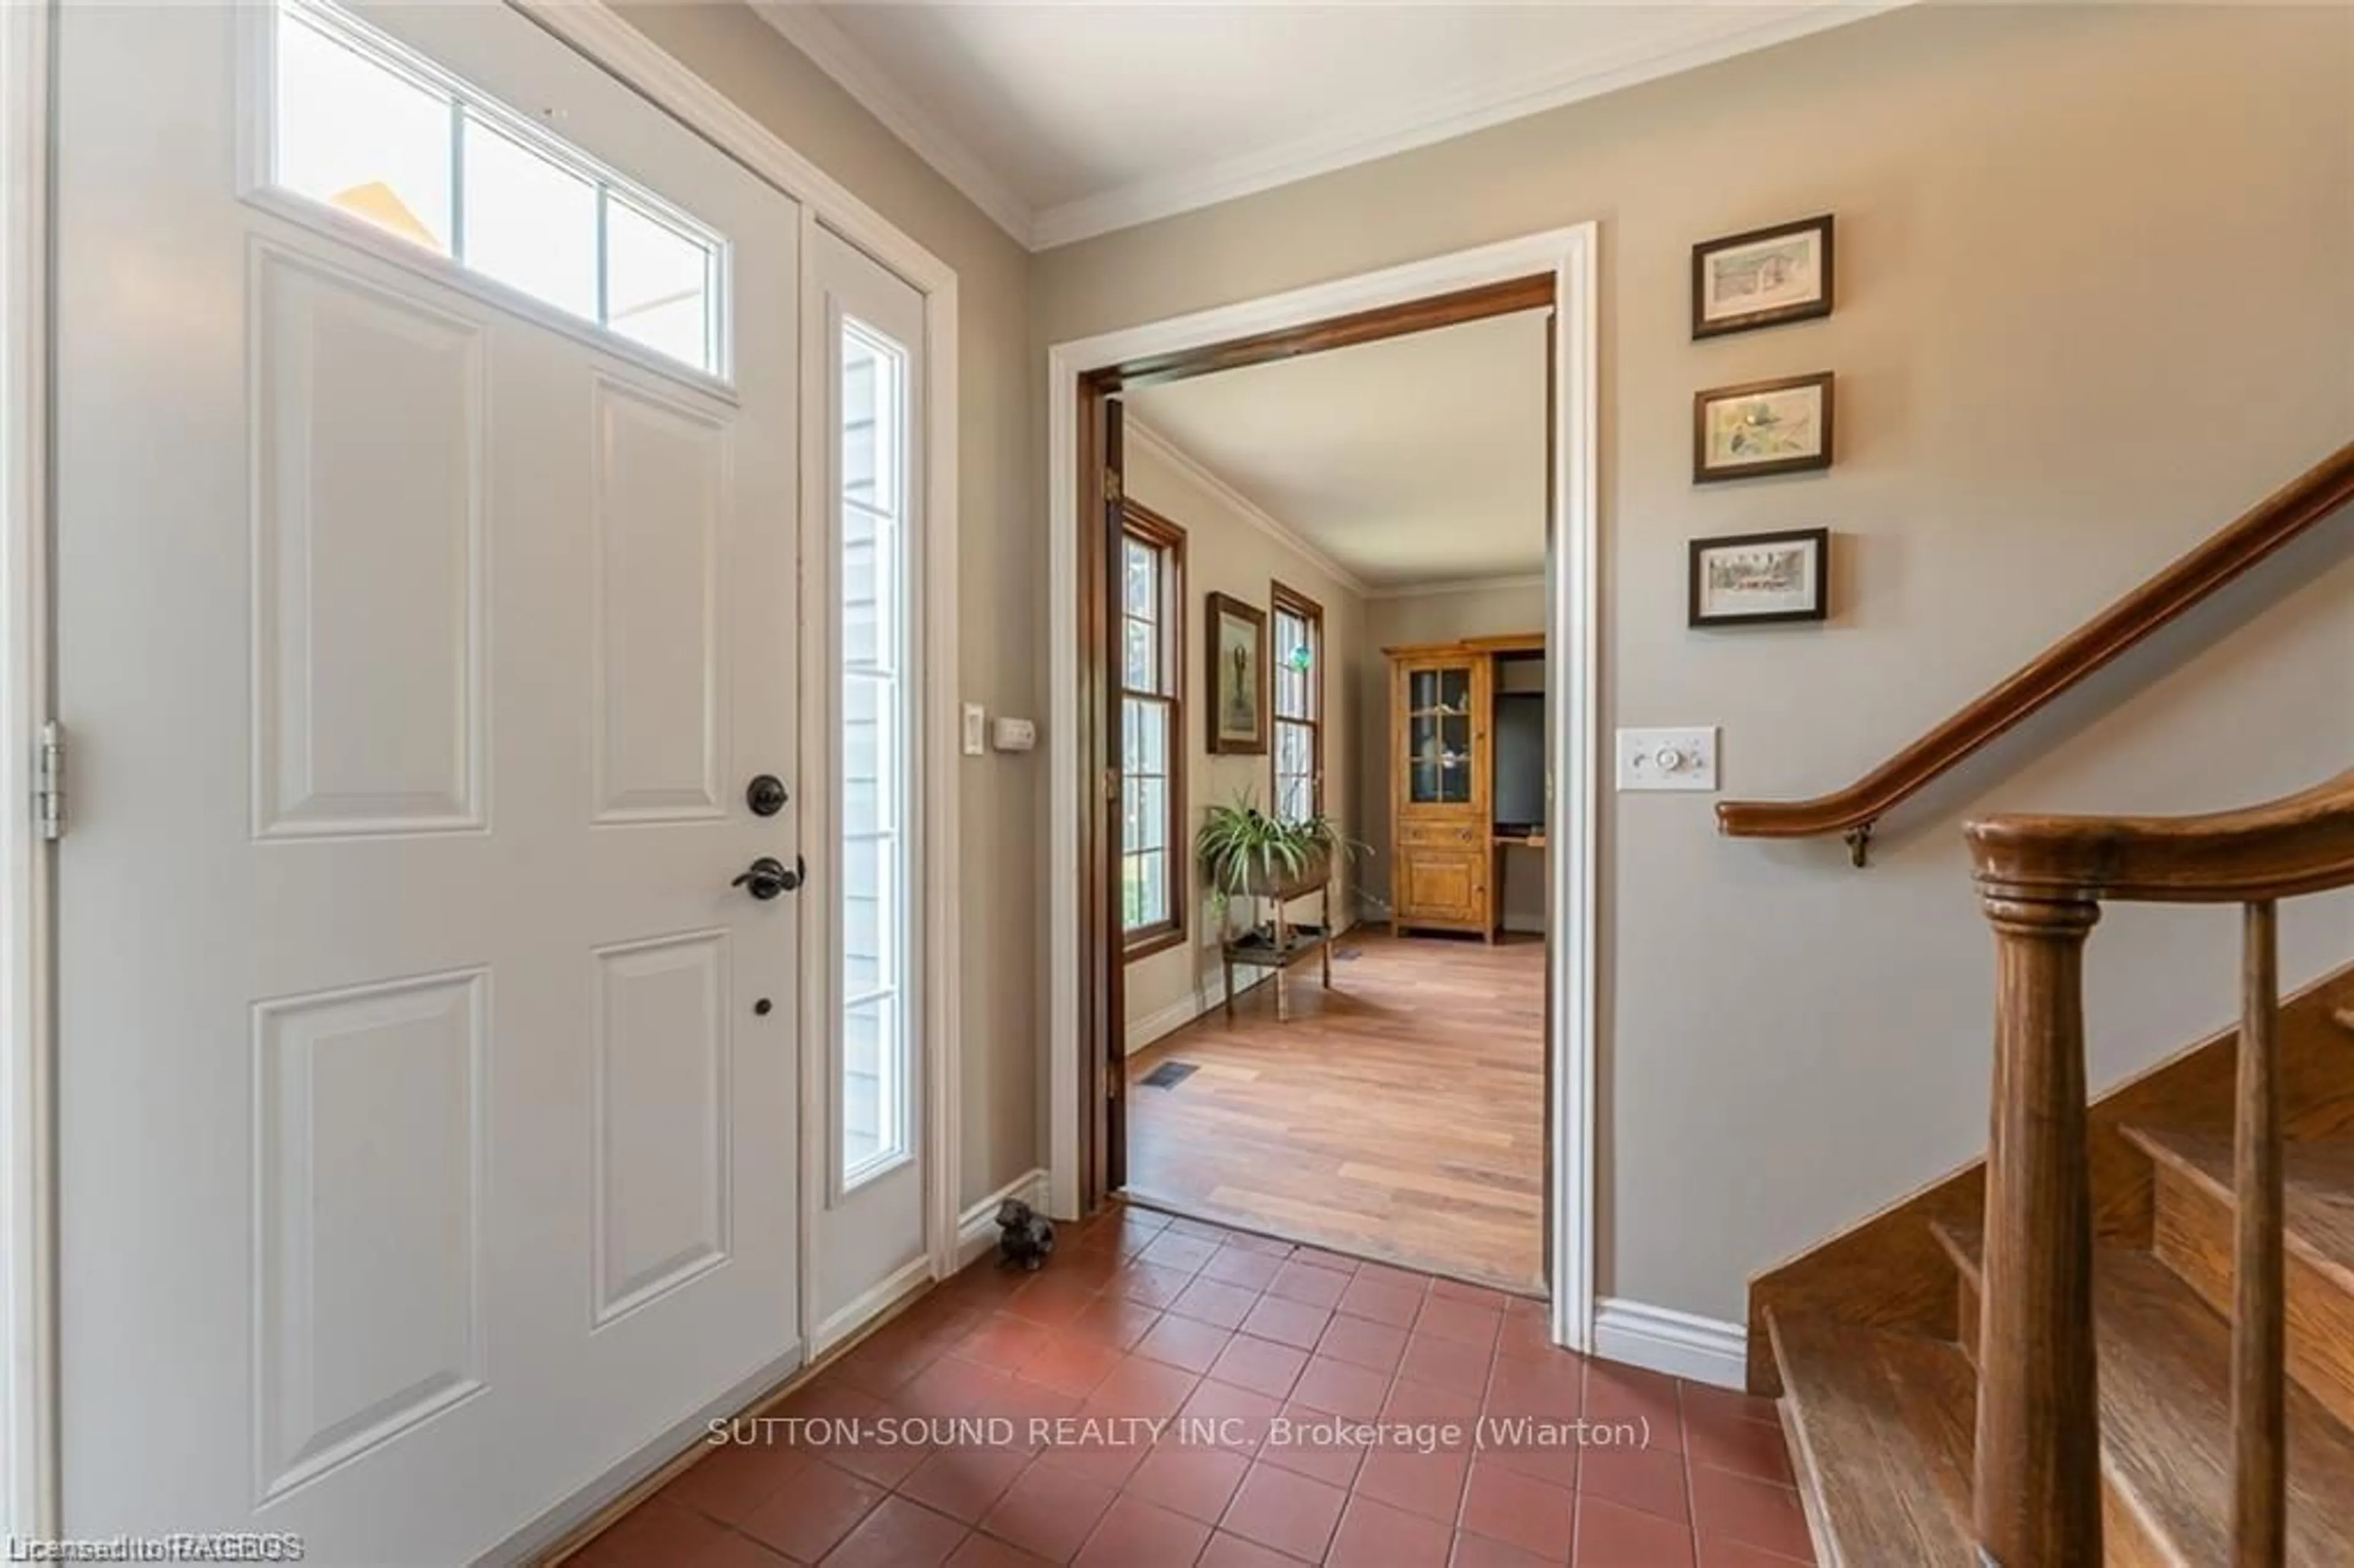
(364, 128)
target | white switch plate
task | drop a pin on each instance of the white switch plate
(976, 729)
(1667, 758)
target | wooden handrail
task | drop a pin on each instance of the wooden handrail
(2265, 528)
(2043, 880)
(2299, 843)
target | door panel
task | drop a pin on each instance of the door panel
(421, 1153)
(366, 724)
(664, 1203)
(1440, 885)
(660, 522)
(369, 1292)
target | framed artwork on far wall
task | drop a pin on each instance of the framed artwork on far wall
(1762, 427)
(1238, 678)
(1762, 278)
(1748, 580)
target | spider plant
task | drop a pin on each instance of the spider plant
(1247, 851)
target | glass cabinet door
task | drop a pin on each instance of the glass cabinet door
(1438, 736)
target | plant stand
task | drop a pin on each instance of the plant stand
(1288, 945)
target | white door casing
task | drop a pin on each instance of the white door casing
(421, 1156)
(871, 1235)
(1575, 754)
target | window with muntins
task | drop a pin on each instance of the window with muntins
(874, 983)
(1298, 738)
(1151, 731)
(366, 128)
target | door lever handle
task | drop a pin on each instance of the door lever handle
(767, 876)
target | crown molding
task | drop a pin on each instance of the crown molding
(810, 30)
(1718, 33)
(1250, 511)
(1467, 585)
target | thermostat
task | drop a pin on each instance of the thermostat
(1012, 735)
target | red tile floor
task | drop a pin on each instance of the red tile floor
(1252, 1345)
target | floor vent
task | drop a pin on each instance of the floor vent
(1346, 955)
(1167, 1076)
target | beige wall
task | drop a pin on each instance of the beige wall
(1001, 644)
(2094, 298)
(1226, 553)
(1439, 616)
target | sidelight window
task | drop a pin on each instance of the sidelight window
(877, 755)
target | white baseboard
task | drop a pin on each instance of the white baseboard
(1152, 1026)
(872, 1303)
(975, 1234)
(1663, 1339)
(977, 1226)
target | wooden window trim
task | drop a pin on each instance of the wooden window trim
(1153, 939)
(1284, 599)
(1141, 521)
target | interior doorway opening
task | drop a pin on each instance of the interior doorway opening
(1130, 846)
(1330, 657)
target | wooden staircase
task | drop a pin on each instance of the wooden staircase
(2147, 1347)
(2128, 1337)
(1881, 1423)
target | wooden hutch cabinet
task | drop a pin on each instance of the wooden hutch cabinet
(1442, 752)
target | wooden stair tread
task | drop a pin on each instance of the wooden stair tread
(2318, 1183)
(2166, 1438)
(1882, 1426)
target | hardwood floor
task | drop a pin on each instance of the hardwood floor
(1399, 1116)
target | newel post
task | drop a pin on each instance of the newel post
(2039, 1479)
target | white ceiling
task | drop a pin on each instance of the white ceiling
(1409, 463)
(1070, 118)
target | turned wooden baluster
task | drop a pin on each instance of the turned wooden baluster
(2259, 1346)
(2038, 1480)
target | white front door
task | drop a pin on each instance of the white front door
(426, 552)
(867, 645)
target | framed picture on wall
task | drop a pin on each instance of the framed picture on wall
(1762, 427)
(1746, 580)
(1762, 278)
(1238, 677)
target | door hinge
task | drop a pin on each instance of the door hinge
(49, 782)
(1112, 783)
(1111, 484)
